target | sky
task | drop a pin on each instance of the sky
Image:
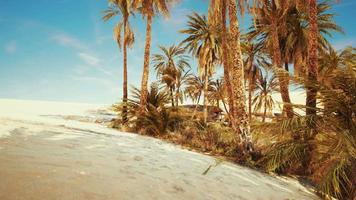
(61, 50)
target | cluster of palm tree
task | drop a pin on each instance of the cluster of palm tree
(286, 44)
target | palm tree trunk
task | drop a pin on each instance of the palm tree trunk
(225, 57)
(286, 66)
(146, 63)
(177, 95)
(250, 88)
(264, 112)
(172, 96)
(311, 78)
(225, 107)
(206, 85)
(177, 99)
(196, 106)
(125, 93)
(313, 59)
(299, 68)
(282, 75)
(240, 117)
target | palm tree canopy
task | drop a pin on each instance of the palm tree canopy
(293, 27)
(203, 42)
(266, 85)
(195, 87)
(124, 10)
(172, 58)
(152, 7)
(331, 59)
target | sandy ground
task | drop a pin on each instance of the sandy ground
(46, 157)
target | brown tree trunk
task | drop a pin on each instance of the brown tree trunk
(240, 121)
(177, 94)
(250, 88)
(313, 59)
(206, 85)
(196, 107)
(298, 64)
(214, 13)
(125, 93)
(225, 107)
(250, 99)
(286, 66)
(312, 75)
(177, 99)
(146, 64)
(264, 112)
(225, 57)
(172, 96)
(282, 74)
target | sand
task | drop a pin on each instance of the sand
(46, 157)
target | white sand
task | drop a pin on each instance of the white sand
(76, 160)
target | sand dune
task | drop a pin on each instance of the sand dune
(46, 157)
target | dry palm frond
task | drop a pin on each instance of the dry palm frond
(285, 154)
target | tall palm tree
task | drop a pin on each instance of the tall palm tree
(312, 74)
(239, 120)
(295, 43)
(203, 42)
(266, 86)
(254, 58)
(269, 27)
(319, 24)
(122, 8)
(225, 58)
(148, 9)
(169, 67)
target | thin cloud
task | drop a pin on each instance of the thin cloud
(11, 47)
(89, 59)
(82, 51)
(69, 41)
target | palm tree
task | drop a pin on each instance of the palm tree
(312, 74)
(123, 8)
(266, 86)
(330, 59)
(195, 89)
(295, 43)
(269, 27)
(203, 43)
(253, 59)
(239, 119)
(182, 81)
(225, 58)
(169, 67)
(217, 93)
(333, 153)
(148, 9)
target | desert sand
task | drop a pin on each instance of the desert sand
(46, 155)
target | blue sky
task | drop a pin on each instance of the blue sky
(61, 50)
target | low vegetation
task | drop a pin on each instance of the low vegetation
(286, 47)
